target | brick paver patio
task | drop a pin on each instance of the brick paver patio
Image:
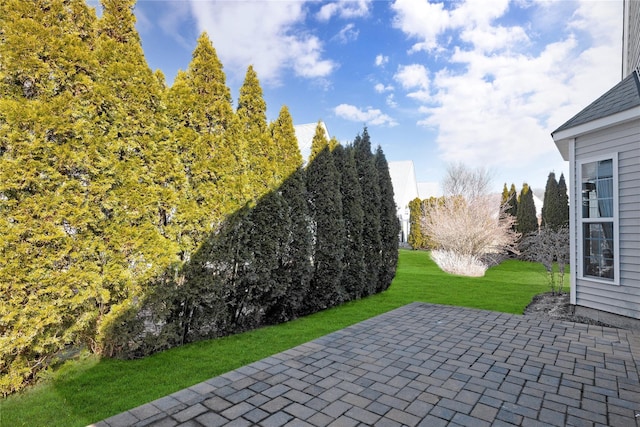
(424, 365)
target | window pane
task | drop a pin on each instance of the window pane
(598, 251)
(597, 189)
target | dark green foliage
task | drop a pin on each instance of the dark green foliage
(299, 250)
(325, 208)
(510, 198)
(527, 220)
(555, 208)
(563, 196)
(368, 178)
(551, 208)
(389, 223)
(354, 264)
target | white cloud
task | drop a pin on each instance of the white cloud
(496, 104)
(266, 35)
(370, 116)
(380, 88)
(344, 9)
(347, 33)
(414, 77)
(391, 101)
(422, 20)
(381, 60)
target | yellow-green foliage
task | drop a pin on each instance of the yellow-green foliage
(136, 217)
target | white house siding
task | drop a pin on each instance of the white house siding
(631, 37)
(623, 299)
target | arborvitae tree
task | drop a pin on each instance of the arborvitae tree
(298, 248)
(510, 199)
(261, 151)
(287, 150)
(416, 238)
(297, 257)
(513, 201)
(201, 115)
(551, 211)
(527, 220)
(389, 223)
(368, 178)
(264, 282)
(325, 206)
(137, 201)
(504, 197)
(563, 196)
(205, 132)
(49, 277)
(354, 265)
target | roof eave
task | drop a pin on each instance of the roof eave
(562, 138)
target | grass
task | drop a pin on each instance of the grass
(89, 389)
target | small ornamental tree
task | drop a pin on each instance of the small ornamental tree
(550, 247)
(464, 227)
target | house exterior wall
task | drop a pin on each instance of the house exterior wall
(631, 37)
(623, 296)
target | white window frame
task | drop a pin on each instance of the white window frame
(615, 220)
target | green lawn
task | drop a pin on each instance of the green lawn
(90, 389)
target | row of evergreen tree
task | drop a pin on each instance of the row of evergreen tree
(555, 206)
(136, 216)
(520, 205)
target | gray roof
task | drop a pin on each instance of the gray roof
(621, 97)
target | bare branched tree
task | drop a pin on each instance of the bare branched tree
(465, 182)
(551, 249)
(468, 224)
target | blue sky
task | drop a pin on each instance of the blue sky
(481, 82)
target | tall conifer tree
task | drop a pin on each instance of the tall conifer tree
(48, 272)
(141, 166)
(354, 265)
(527, 220)
(416, 237)
(298, 249)
(287, 150)
(206, 133)
(325, 205)
(551, 203)
(368, 178)
(389, 223)
(563, 196)
(261, 152)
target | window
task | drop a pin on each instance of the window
(598, 221)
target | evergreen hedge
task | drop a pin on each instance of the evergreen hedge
(136, 217)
